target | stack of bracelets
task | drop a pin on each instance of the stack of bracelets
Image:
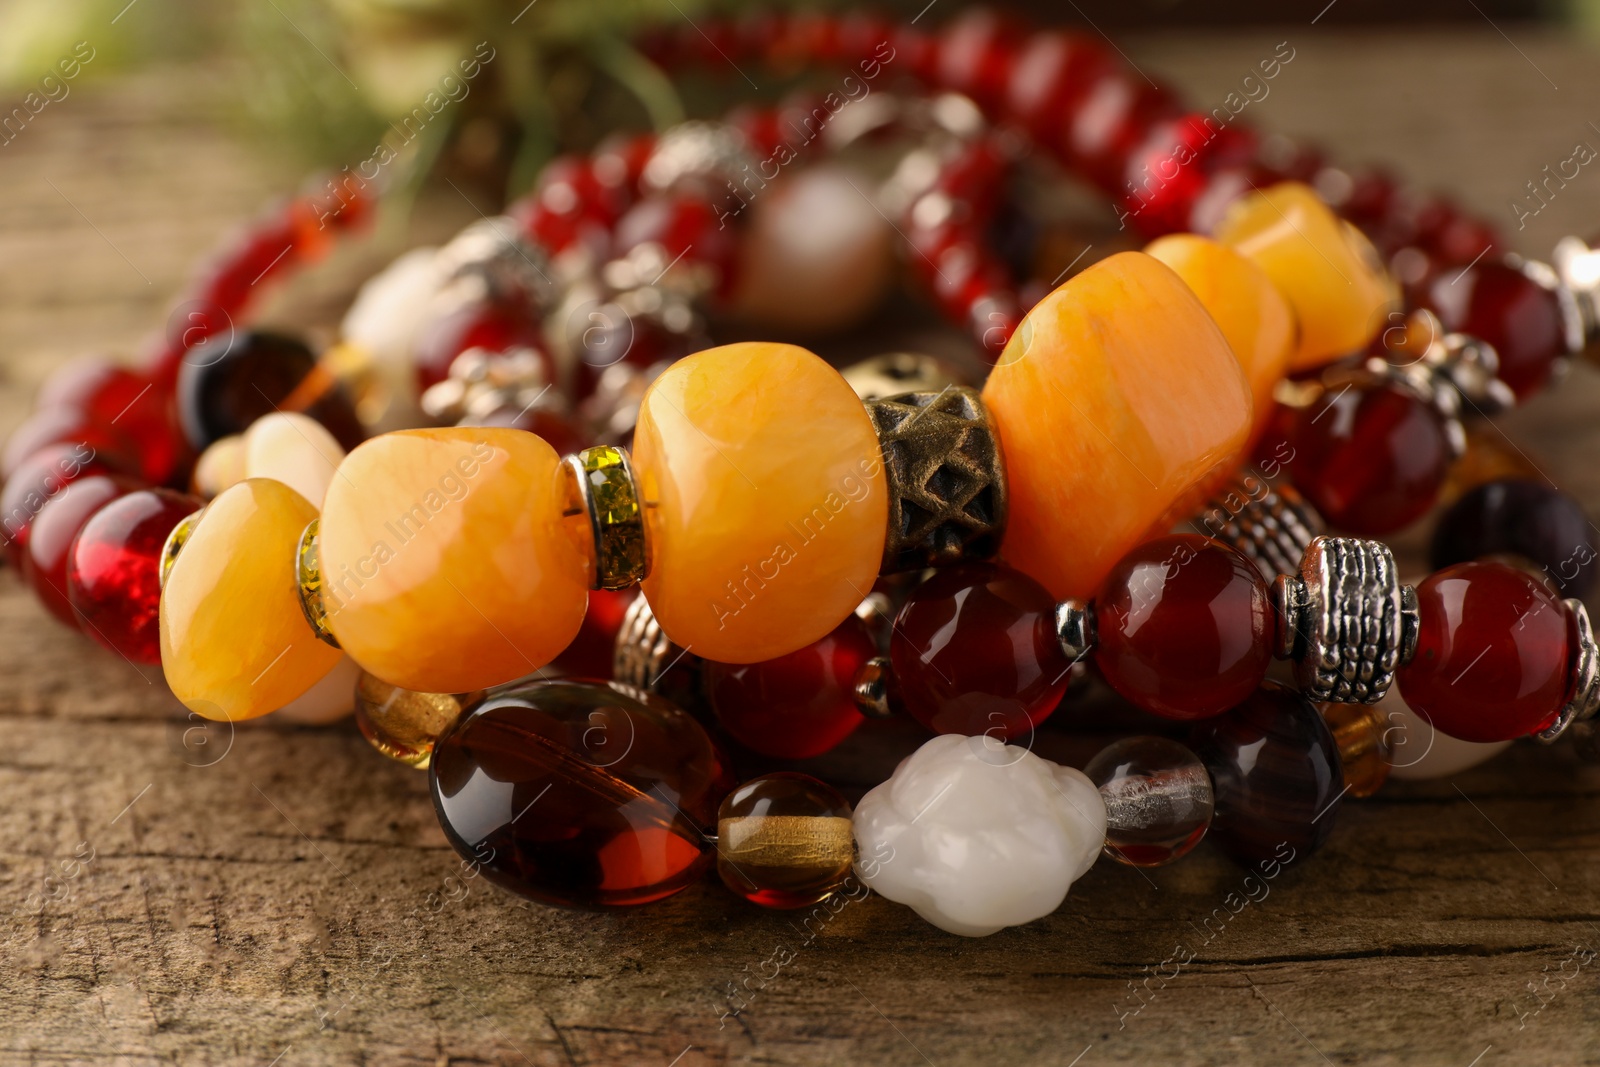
(1307, 365)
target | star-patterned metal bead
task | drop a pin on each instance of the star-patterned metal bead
(947, 499)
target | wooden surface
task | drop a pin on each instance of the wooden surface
(281, 895)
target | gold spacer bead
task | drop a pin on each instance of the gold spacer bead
(308, 573)
(600, 483)
(174, 544)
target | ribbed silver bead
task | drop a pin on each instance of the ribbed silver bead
(643, 651)
(1270, 525)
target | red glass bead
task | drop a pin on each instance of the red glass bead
(56, 426)
(684, 226)
(1499, 304)
(35, 482)
(579, 795)
(113, 576)
(1170, 170)
(263, 250)
(976, 53)
(1371, 456)
(1114, 116)
(112, 395)
(590, 654)
(975, 652)
(1494, 653)
(1184, 626)
(796, 706)
(50, 541)
(494, 325)
(1048, 76)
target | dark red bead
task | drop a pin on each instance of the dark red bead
(113, 576)
(1167, 173)
(1370, 456)
(1529, 519)
(1497, 303)
(684, 226)
(1185, 627)
(975, 652)
(579, 795)
(493, 325)
(35, 482)
(796, 706)
(976, 53)
(1049, 75)
(1115, 115)
(231, 381)
(590, 654)
(50, 541)
(1494, 653)
(1276, 778)
(138, 408)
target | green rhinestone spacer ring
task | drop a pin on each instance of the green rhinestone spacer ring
(602, 480)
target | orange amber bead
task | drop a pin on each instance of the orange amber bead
(1330, 274)
(234, 642)
(766, 500)
(1116, 399)
(445, 564)
(1247, 307)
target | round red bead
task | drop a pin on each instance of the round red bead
(975, 652)
(50, 543)
(1497, 303)
(34, 483)
(1494, 653)
(1184, 627)
(54, 426)
(795, 706)
(128, 402)
(488, 324)
(1371, 456)
(113, 575)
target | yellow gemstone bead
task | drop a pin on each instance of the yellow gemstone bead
(1118, 401)
(1246, 306)
(766, 500)
(234, 642)
(1330, 274)
(445, 564)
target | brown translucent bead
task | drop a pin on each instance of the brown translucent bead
(402, 724)
(784, 840)
(1359, 730)
(578, 794)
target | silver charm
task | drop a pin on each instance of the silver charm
(872, 688)
(1454, 373)
(1345, 620)
(714, 153)
(1586, 678)
(1270, 525)
(509, 266)
(482, 382)
(1075, 628)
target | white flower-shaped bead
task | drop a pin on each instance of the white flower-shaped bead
(976, 835)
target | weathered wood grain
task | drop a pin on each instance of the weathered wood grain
(281, 895)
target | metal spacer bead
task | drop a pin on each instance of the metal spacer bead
(1585, 692)
(643, 652)
(947, 480)
(308, 575)
(871, 688)
(1075, 628)
(1341, 620)
(1270, 525)
(600, 484)
(714, 153)
(1577, 270)
(174, 544)
(506, 264)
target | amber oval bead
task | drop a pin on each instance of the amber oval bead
(1184, 627)
(767, 500)
(975, 652)
(1247, 307)
(1494, 652)
(579, 795)
(445, 567)
(1330, 274)
(1118, 401)
(1275, 776)
(234, 642)
(784, 840)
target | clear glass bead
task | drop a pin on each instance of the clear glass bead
(1158, 799)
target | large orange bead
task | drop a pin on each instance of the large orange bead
(1330, 274)
(1116, 400)
(1247, 307)
(766, 499)
(445, 564)
(234, 642)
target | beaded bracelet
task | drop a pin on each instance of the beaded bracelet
(431, 545)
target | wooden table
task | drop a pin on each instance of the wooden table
(280, 895)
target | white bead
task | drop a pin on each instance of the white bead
(386, 317)
(976, 835)
(219, 466)
(294, 449)
(328, 701)
(1418, 751)
(816, 256)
